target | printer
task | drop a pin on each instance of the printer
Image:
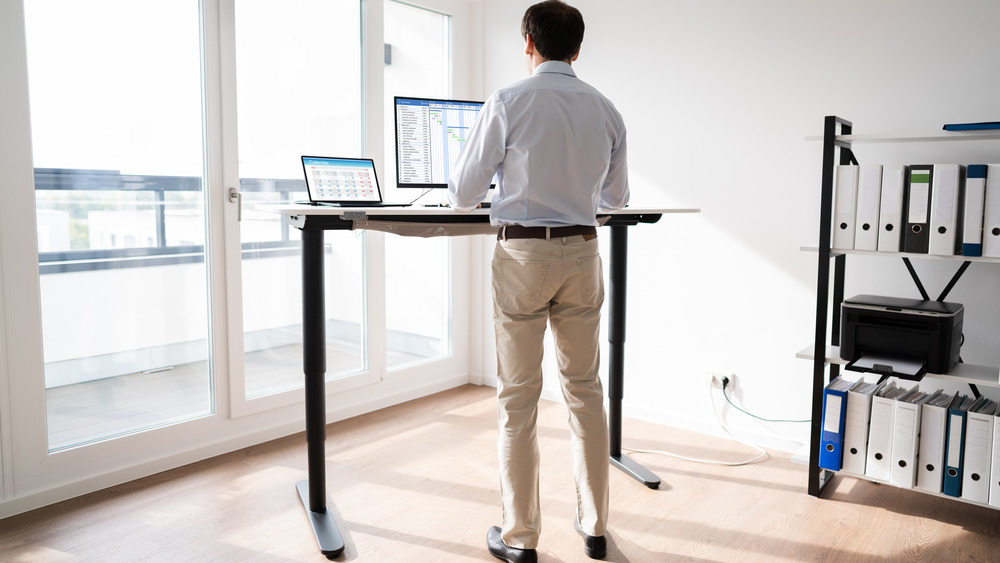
(905, 338)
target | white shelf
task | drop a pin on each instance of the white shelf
(883, 254)
(982, 135)
(942, 495)
(961, 373)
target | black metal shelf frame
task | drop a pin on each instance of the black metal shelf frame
(838, 151)
(818, 478)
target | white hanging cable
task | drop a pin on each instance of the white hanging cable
(715, 411)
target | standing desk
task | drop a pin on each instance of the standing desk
(312, 221)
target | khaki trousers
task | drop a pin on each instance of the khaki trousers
(558, 281)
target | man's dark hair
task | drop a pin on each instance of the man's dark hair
(555, 27)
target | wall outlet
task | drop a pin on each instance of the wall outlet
(713, 378)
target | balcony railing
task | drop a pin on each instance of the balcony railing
(161, 253)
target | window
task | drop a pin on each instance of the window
(133, 333)
(117, 142)
(418, 307)
(298, 67)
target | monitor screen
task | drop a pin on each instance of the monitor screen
(429, 135)
(341, 180)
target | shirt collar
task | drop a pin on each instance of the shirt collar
(557, 67)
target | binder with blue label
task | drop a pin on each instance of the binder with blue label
(954, 450)
(975, 205)
(831, 453)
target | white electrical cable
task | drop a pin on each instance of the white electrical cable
(426, 191)
(715, 411)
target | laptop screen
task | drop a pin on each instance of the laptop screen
(341, 180)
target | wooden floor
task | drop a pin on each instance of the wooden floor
(418, 483)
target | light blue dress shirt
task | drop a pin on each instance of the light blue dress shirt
(557, 147)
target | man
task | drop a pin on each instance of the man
(557, 147)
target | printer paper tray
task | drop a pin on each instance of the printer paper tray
(903, 367)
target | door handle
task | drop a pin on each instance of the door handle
(236, 197)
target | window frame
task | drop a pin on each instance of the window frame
(35, 477)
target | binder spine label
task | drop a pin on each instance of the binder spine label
(831, 422)
(954, 440)
(920, 188)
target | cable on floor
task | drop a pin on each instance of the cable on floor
(715, 411)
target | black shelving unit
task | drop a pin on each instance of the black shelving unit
(818, 478)
(831, 268)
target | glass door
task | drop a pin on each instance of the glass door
(116, 120)
(147, 316)
(298, 76)
(418, 307)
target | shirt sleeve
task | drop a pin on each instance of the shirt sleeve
(480, 158)
(615, 192)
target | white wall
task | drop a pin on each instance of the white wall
(718, 97)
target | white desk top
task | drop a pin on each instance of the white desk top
(412, 210)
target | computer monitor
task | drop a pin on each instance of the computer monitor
(429, 135)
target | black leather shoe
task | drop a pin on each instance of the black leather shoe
(596, 547)
(509, 554)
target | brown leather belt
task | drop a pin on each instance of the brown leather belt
(518, 231)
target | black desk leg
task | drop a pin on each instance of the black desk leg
(616, 348)
(313, 491)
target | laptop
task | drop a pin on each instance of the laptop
(346, 182)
